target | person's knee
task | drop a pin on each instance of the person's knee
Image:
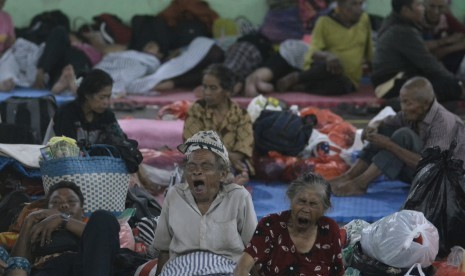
(405, 137)
(103, 220)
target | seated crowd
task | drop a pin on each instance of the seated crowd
(208, 224)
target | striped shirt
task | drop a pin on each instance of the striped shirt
(199, 263)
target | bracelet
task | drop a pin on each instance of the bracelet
(4, 256)
(18, 263)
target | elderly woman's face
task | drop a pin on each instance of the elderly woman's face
(100, 101)
(306, 208)
(213, 93)
(203, 175)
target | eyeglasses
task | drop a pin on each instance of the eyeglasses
(57, 203)
(205, 168)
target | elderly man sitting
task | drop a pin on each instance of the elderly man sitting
(204, 225)
(395, 144)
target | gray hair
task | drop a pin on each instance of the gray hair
(312, 181)
(422, 89)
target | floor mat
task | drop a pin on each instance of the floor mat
(364, 96)
(30, 92)
(383, 198)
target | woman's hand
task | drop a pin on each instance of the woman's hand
(42, 231)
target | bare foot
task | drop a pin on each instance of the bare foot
(39, 82)
(265, 87)
(238, 89)
(250, 90)
(288, 81)
(7, 85)
(348, 188)
(164, 85)
(339, 179)
(67, 81)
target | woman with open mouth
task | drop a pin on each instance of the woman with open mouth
(299, 241)
(204, 224)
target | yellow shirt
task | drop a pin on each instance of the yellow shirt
(353, 46)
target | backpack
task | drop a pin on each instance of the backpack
(29, 115)
(282, 131)
(112, 28)
(42, 24)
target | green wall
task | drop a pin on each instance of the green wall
(23, 10)
(383, 7)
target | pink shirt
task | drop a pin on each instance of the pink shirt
(93, 54)
(7, 30)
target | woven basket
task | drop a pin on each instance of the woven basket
(104, 180)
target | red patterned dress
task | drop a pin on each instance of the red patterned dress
(272, 247)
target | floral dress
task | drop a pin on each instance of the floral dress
(272, 247)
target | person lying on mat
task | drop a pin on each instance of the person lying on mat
(204, 224)
(88, 118)
(395, 143)
(330, 67)
(56, 241)
(299, 241)
(215, 111)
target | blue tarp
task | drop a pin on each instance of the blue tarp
(382, 198)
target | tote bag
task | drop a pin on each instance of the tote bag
(104, 180)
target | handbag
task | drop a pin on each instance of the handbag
(104, 180)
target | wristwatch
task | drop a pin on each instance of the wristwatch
(64, 220)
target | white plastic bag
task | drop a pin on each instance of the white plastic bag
(259, 103)
(401, 240)
(418, 267)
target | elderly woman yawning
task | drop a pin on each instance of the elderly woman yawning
(300, 241)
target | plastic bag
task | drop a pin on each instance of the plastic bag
(415, 266)
(126, 238)
(401, 240)
(456, 256)
(372, 267)
(259, 103)
(176, 110)
(438, 192)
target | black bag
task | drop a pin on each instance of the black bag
(372, 267)
(42, 24)
(145, 204)
(130, 154)
(28, 114)
(438, 191)
(282, 131)
(128, 148)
